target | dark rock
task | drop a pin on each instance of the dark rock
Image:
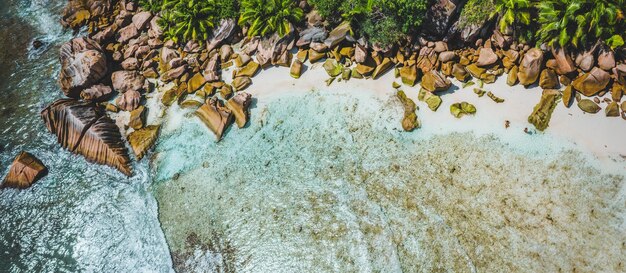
(124, 81)
(96, 93)
(129, 100)
(25, 170)
(83, 64)
(84, 129)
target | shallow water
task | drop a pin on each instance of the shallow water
(327, 182)
(322, 182)
(81, 217)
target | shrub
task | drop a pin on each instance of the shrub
(381, 30)
(409, 14)
(476, 12)
(328, 9)
(581, 22)
(267, 16)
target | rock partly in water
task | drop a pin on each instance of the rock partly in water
(83, 64)
(548, 79)
(84, 129)
(409, 75)
(25, 170)
(568, 95)
(137, 118)
(215, 116)
(239, 105)
(410, 121)
(542, 112)
(143, 139)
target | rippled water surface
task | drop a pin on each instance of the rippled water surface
(317, 182)
(327, 182)
(81, 217)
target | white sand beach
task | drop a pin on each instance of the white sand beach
(601, 136)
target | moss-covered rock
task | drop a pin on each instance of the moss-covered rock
(410, 121)
(612, 110)
(296, 69)
(548, 79)
(332, 67)
(433, 102)
(512, 77)
(462, 108)
(408, 75)
(495, 98)
(249, 70)
(542, 112)
(459, 72)
(589, 106)
(434, 81)
(568, 95)
(383, 67)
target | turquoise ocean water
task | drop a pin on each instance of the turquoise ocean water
(319, 181)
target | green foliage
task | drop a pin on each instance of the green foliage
(476, 12)
(151, 5)
(327, 8)
(227, 9)
(382, 31)
(581, 22)
(513, 13)
(188, 19)
(409, 14)
(268, 16)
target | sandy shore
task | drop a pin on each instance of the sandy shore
(602, 137)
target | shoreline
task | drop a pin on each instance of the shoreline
(570, 124)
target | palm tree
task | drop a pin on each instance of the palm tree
(268, 16)
(514, 14)
(581, 22)
(189, 20)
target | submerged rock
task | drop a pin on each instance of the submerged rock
(137, 118)
(83, 64)
(542, 112)
(25, 170)
(84, 129)
(143, 139)
(215, 116)
(410, 121)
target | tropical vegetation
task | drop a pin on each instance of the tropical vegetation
(268, 16)
(558, 23)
